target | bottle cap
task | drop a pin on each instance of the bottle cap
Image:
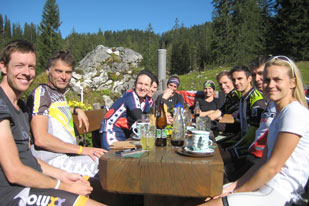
(178, 105)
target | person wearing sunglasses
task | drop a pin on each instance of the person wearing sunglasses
(280, 176)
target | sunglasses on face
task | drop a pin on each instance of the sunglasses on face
(285, 59)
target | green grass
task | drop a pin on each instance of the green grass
(304, 68)
(194, 80)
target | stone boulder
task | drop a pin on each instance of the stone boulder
(107, 68)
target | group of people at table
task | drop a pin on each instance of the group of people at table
(41, 163)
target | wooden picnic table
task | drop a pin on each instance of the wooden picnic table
(162, 173)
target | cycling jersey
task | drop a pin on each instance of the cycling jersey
(47, 101)
(251, 107)
(119, 120)
(257, 147)
(231, 103)
(15, 194)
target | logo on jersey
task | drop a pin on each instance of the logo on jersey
(43, 200)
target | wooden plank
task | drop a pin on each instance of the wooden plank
(227, 118)
(95, 118)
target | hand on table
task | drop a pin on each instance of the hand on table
(93, 152)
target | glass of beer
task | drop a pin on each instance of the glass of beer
(148, 136)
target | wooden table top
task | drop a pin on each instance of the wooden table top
(163, 172)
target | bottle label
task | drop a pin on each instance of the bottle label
(164, 133)
(161, 133)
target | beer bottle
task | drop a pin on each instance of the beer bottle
(161, 123)
(197, 110)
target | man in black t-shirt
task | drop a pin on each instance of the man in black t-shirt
(23, 178)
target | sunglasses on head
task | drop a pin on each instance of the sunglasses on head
(285, 59)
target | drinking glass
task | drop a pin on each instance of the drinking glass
(148, 136)
(203, 123)
(145, 118)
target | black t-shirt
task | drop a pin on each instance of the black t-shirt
(19, 121)
(171, 102)
(208, 106)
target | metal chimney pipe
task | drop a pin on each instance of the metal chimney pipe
(162, 68)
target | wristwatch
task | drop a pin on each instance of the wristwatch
(74, 110)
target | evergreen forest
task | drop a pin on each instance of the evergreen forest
(239, 31)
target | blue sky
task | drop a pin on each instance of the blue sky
(90, 15)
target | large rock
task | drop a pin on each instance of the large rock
(107, 69)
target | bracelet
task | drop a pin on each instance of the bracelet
(74, 110)
(80, 150)
(57, 185)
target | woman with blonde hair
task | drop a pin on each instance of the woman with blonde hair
(281, 175)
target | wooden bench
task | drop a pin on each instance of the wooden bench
(95, 118)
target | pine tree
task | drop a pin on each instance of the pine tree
(249, 38)
(17, 31)
(49, 39)
(30, 32)
(292, 29)
(239, 32)
(7, 29)
(223, 35)
(1, 31)
(1, 26)
(149, 49)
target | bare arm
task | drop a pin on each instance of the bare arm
(261, 172)
(18, 173)
(216, 115)
(82, 118)
(285, 145)
(204, 114)
(43, 139)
